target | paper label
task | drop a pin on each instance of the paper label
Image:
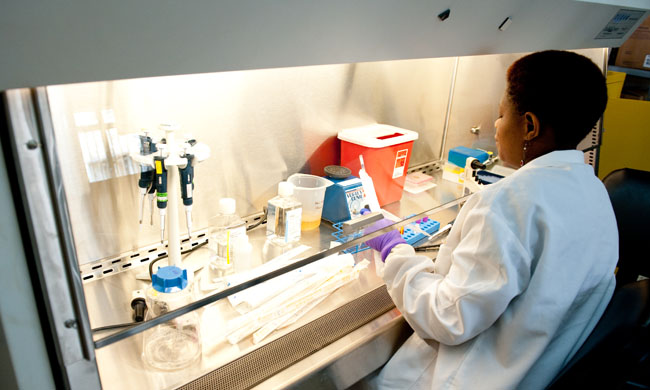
(292, 228)
(646, 63)
(620, 24)
(272, 219)
(400, 163)
(349, 182)
(355, 199)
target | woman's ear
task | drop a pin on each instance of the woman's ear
(531, 121)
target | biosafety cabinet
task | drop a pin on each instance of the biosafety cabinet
(264, 88)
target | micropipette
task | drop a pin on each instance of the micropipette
(147, 146)
(145, 183)
(187, 185)
(161, 192)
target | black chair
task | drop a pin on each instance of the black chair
(616, 355)
(629, 191)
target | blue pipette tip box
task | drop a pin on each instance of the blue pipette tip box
(459, 155)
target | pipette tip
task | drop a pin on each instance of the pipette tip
(162, 226)
(188, 220)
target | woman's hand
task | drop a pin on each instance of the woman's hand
(387, 241)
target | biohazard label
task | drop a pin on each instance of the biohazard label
(400, 163)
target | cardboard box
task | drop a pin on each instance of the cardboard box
(635, 52)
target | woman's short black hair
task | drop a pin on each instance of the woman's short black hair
(566, 91)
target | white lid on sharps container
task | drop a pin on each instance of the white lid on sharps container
(227, 206)
(285, 188)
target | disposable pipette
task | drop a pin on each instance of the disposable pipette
(161, 192)
(417, 229)
(444, 230)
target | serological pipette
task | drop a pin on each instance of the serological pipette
(187, 187)
(161, 192)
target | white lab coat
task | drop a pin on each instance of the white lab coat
(525, 274)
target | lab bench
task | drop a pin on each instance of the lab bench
(347, 336)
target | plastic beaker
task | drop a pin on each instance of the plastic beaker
(310, 191)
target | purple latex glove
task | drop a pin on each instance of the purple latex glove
(387, 241)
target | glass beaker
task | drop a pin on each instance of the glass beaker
(310, 191)
(174, 344)
(224, 231)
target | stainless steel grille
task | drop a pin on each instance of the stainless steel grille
(429, 168)
(143, 256)
(271, 358)
(133, 259)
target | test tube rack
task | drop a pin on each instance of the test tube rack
(410, 235)
(413, 237)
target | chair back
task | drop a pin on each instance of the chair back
(616, 350)
(629, 191)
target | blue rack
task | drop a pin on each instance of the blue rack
(427, 225)
(410, 235)
(343, 238)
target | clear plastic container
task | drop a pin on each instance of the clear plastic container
(310, 191)
(223, 232)
(177, 343)
(284, 216)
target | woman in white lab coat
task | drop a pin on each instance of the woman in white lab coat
(528, 267)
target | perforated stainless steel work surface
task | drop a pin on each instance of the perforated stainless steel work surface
(266, 361)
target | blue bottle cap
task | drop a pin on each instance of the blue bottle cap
(169, 279)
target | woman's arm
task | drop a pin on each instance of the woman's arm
(489, 267)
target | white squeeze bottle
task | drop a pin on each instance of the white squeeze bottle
(224, 230)
(368, 187)
(284, 216)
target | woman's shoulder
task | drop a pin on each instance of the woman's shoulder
(522, 188)
(541, 183)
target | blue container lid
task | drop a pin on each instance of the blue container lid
(169, 279)
(459, 154)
